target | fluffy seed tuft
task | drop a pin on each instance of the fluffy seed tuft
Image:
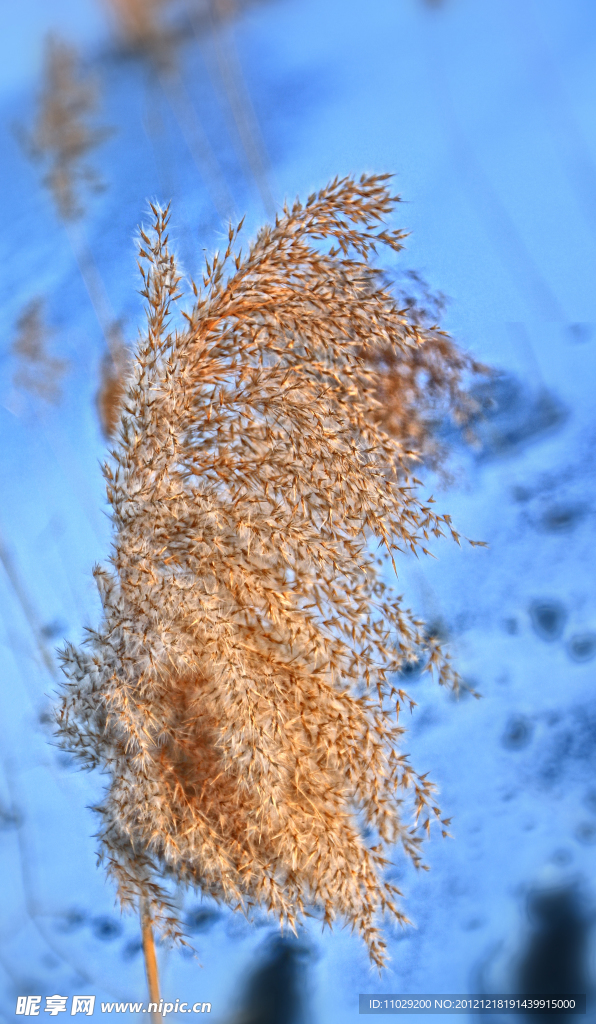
(238, 688)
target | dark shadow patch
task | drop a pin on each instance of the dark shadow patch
(53, 629)
(10, 817)
(518, 733)
(556, 958)
(572, 749)
(512, 415)
(72, 921)
(562, 857)
(132, 949)
(436, 629)
(548, 619)
(201, 919)
(585, 833)
(582, 647)
(65, 760)
(561, 518)
(106, 928)
(275, 992)
(412, 670)
(521, 494)
(581, 332)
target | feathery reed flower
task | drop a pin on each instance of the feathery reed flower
(424, 387)
(237, 691)
(37, 371)
(114, 368)
(142, 26)
(61, 139)
(63, 134)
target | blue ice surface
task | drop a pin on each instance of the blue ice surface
(484, 112)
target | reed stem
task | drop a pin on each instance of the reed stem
(150, 960)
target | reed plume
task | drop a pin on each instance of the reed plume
(151, 31)
(154, 30)
(37, 371)
(110, 395)
(426, 387)
(143, 28)
(64, 133)
(238, 690)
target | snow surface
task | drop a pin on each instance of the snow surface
(485, 113)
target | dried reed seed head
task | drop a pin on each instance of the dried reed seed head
(424, 388)
(220, 10)
(146, 27)
(110, 395)
(153, 28)
(138, 20)
(64, 132)
(239, 687)
(37, 371)
(421, 390)
(225, 10)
